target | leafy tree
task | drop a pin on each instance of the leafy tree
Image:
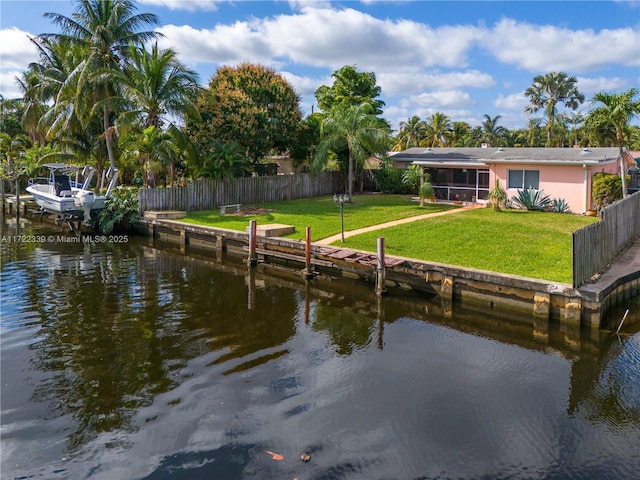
(617, 110)
(548, 91)
(225, 161)
(154, 148)
(358, 130)
(250, 105)
(492, 133)
(439, 131)
(350, 88)
(14, 163)
(106, 29)
(159, 88)
(412, 132)
(460, 134)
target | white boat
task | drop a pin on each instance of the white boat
(67, 192)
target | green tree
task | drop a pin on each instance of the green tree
(158, 88)
(617, 110)
(460, 134)
(225, 161)
(492, 133)
(250, 105)
(358, 130)
(548, 91)
(411, 133)
(154, 149)
(439, 130)
(106, 29)
(350, 88)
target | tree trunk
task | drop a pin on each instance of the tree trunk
(623, 173)
(350, 175)
(108, 137)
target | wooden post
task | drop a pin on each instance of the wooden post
(307, 273)
(380, 270)
(252, 261)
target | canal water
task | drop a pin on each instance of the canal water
(127, 360)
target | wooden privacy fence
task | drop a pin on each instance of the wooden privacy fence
(207, 194)
(596, 245)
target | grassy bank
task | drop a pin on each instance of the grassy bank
(531, 244)
(322, 214)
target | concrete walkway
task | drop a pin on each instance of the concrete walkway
(335, 238)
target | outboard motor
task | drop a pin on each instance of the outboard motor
(85, 200)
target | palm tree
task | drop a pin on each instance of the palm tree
(439, 130)
(359, 130)
(617, 110)
(412, 132)
(460, 134)
(492, 133)
(550, 89)
(156, 85)
(226, 161)
(106, 28)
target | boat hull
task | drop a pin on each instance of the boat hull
(56, 205)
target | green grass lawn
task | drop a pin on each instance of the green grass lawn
(321, 214)
(531, 244)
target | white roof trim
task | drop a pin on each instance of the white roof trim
(449, 164)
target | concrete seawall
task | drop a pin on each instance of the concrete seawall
(542, 299)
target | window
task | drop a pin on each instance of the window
(524, 179)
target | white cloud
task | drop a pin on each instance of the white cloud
(8, 85)
(16, 50)
(305, 85)
(325, 38)
(545, 48)
(589, 86)
(514, 101)
(395, 83)
(440, 99)
(188, 5)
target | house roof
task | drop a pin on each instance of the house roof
(481, 156)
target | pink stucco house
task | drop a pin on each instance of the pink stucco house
(467, 174)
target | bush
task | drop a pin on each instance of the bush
(121, 210)
(497, 196)
(560, 206)
(389, 180)
(606, 189)
(532, 200)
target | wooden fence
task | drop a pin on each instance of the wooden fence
(207, 194)
(596, 245)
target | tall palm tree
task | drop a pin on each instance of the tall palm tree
(492, 133)
(359, 130)
(158, 87)
(460, 134)
(617, 110)
(412, 132)
(548, 91)
(106, 28)
(439, 130)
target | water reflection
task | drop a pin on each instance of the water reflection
(131, 361)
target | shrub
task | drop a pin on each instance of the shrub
(532, 199)
(560, 206)
(426, 192)
(121, 209)
(389, 180)
(606, 189)
(497, 196)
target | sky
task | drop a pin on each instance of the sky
(466, 59)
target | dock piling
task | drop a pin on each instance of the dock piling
(380, 270)
(252, 261)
